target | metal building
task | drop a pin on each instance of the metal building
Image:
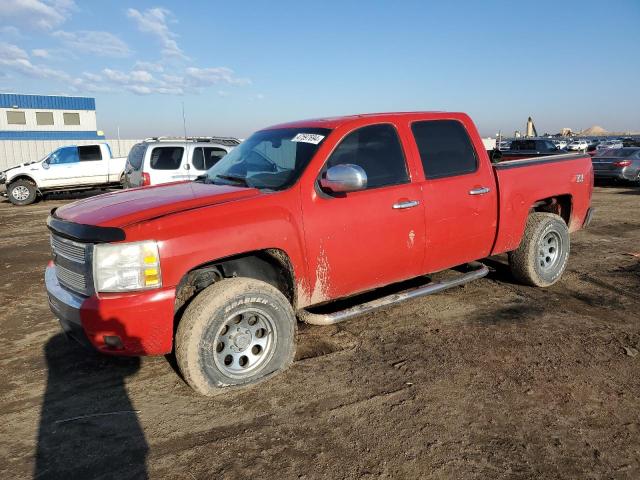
(47, 117)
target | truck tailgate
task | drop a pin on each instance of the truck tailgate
(523, 183)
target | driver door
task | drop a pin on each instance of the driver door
(62, 168)
(362, 240)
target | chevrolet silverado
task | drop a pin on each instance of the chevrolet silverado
(298, 216)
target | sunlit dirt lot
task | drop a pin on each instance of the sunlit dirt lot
(492, 380)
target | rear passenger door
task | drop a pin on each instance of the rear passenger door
(166, 164)
(203, 158)
(459, 195)
(92, 169)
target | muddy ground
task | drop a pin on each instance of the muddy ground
(492, 380)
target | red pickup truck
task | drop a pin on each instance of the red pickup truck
(300, 215)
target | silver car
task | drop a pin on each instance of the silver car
(618, 164)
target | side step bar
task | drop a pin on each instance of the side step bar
(478, 271)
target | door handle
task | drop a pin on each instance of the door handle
(479, 191)
(406, 204)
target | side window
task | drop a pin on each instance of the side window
(89, 153)
(445, 148)
(64, 155)
(377, 150)
(166, 158)
(206, 157)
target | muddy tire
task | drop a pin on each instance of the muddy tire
(235, 333)
(22, 192)
(542, 255)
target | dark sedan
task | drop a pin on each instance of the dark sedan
(618, 164)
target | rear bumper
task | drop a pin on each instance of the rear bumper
(142, 321)
(621, 174)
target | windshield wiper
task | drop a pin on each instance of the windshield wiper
(234, 178)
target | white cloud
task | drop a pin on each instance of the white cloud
(103, 44)
(154, 21)
(92, 76)
(9, 31)
(15, 59)
(144, 78)
(36, 14)
(143, 82)
(205, 77)
(40, 53)
(141, 76)
(148, 66)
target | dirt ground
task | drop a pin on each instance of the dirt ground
(492, 380)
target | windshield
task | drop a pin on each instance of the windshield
(269, 159)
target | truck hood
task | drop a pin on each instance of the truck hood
(126, 207)
(21, 165)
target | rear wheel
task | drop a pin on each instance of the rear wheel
(234, 334)
(542, 256)
(22, 192)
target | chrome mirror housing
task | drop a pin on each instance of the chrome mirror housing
(344, 178)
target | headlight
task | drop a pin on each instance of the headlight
(122, 267)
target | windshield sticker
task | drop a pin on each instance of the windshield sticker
(308, 138)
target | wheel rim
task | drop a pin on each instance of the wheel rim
(20, 193)
(244, 343)
(549, 249)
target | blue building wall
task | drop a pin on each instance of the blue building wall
(49, 102)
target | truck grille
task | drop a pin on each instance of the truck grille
(73, 280)
(73, 264)
(70, 250)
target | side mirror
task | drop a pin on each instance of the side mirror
(45, 164)
(344, 178)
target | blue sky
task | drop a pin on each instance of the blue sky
(242, 65)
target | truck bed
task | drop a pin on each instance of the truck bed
(522, 183)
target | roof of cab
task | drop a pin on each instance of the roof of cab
(334, 122)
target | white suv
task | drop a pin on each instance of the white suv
(170, 159)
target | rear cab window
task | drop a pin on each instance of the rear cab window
(89, 153)
(166, 158)
(445, 148)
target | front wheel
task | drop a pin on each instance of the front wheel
(543, 253)
(235, 333)
(22, 192)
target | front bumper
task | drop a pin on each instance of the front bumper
(142, 321)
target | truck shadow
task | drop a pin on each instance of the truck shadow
(499, 269)
(88, 425)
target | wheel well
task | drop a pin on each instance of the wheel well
(272, 266)
(23, 177)
(560, 205)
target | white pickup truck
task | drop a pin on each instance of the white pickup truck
(81, 167)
